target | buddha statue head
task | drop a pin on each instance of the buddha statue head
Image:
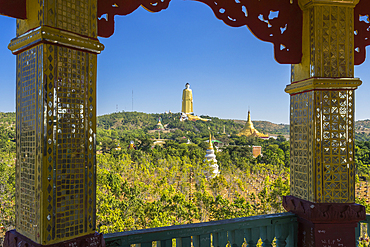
(187, 85)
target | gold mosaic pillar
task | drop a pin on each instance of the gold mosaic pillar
(56, 48)
(322, 140)
(322, 91)
(322, 104)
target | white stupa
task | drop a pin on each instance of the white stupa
(211, 158)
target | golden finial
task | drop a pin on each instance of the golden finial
(210, 142)
(249, 120)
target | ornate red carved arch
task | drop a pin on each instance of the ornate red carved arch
(362, 30)
(275, 21)
(283, 30)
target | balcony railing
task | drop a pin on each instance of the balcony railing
(363, 232)
(279, 228)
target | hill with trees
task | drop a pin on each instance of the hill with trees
(268, 127)
(362, 129)
(7, 132)
(167, 184)
(129, 121)
(139, 120)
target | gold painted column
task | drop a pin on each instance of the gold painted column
(322, 94)
(56, 48)
(322, 104)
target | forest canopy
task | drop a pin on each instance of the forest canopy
(164, 181)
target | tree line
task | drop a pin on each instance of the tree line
(159, 185)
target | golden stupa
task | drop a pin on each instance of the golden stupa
(249, 129)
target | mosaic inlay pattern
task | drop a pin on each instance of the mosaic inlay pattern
(322, 150)
(70, 142)
(56, 125)
(70, 148)
(328, 46)
(73, 15)
(331, 49)
(301, 147)
(77, 16)
(56, 119)
(28, 168)
(334, 146)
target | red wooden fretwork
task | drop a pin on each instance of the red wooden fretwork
(362, 30)
(107, 9)
(275, 21)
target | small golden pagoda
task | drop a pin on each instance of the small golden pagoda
(249, 129)
(159, 125)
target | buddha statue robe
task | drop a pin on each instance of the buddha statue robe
(187, 100)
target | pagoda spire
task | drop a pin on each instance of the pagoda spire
(210, 146)
(249, 120)
(249, 129)
(211, 158)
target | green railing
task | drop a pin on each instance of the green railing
(278, 228)
(363, 232)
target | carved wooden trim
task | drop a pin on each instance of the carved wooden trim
(362, 30)
(275, 21)
(325, 212)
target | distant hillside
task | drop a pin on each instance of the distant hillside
(363, 124)
(362, 129)
(268, 127)
(129, 121)
(7, 131)
(7, 119)
(139, 120)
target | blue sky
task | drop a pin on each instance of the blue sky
(156, 54)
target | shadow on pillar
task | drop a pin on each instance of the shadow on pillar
(325, 224)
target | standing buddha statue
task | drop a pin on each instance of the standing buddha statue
(187, 100)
